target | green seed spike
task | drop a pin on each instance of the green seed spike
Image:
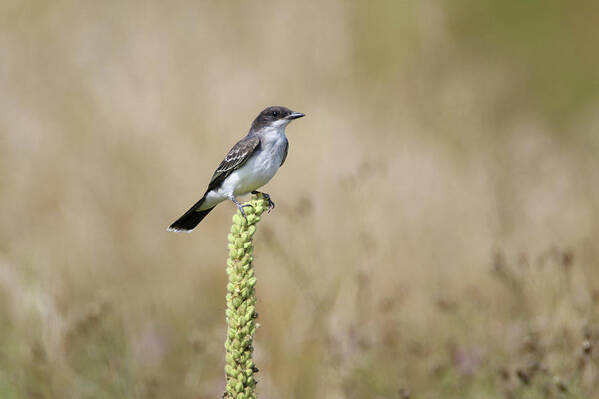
(241, 303)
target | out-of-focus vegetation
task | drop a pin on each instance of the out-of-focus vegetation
(437, 218)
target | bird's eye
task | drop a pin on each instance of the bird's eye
(275, 113)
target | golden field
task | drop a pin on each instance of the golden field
(437, 220)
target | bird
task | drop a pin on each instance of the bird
(249, 165)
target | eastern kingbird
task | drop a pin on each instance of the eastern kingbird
(250, 164)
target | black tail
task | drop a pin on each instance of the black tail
(190, 219)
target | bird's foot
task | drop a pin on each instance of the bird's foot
(271, 205)
(240, 207)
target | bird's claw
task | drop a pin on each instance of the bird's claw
(242, 212)
(271, 204)
(240, 207)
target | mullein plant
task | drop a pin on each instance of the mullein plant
(241, 303)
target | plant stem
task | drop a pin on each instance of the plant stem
(241, 303)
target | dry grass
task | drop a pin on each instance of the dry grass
(436, 226)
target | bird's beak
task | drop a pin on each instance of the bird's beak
(295, 115)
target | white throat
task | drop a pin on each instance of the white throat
(273, 132)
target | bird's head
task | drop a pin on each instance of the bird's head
(275, 117)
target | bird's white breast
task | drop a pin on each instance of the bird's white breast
(261, 167)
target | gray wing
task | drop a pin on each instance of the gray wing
(285, 154)
(235, 158)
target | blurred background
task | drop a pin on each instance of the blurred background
(436, 227)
